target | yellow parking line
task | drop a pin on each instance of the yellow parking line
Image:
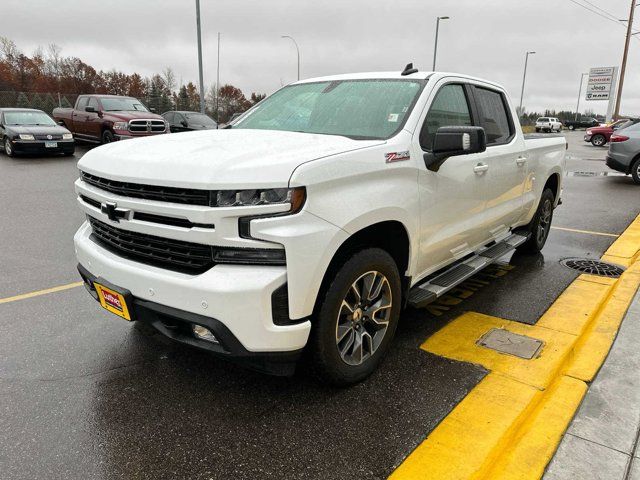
(588, 232)
(37, 293)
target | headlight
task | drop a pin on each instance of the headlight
(67, 136)
(26, 136)
(120, 125)
(589, 132)
(273, 196)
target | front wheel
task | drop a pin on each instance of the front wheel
(8, 149)
(571, 127)
(357, 318)
(540, 225)
(635, 171)
(598, 140)
(107, 137)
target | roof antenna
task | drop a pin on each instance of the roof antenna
(408, 70)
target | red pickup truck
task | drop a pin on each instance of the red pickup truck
(105, 118)
(599, 136)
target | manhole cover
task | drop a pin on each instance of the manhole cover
(593, 267)
(511, 343)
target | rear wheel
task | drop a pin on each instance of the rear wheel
(357, 319)
(8, 149)
(598, 140)
(635, 171)
(540, 225)
(107, 137)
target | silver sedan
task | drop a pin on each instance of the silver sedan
(624, 151)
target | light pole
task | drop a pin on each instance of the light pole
(623, 68)
(297, 50)
(200, 56)
(579, 92)
(218, 84)
(524, 77)
(435, 47)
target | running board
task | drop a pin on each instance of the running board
(435, 287)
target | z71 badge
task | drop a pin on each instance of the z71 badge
(397, 156)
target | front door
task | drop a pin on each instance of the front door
(506, 158)
(452, 200)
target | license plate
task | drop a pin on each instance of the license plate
(112, 301)
(51, 144)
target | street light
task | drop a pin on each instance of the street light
(297, 51)
(200, 55)
(579, 92)
(435, 47)
(524, 76)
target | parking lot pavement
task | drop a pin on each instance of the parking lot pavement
(90, 396)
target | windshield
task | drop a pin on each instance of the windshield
(359, 109)
(122, 105)
(200, 119)
(27, 118)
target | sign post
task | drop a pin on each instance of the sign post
(602, 86)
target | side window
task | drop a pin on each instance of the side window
(169, 118)
(178, 119)
(82, 102)
(93, 102)
(494, 117)
(450, 108)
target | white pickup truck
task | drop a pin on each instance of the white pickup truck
(313, 220)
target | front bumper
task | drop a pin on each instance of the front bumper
(237, 296)
(587, 138)
(37, 147)
(177, 325)
(129, 136)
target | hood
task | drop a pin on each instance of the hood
(600, 129)
(133, 115)
(215, 159)
(37, 129)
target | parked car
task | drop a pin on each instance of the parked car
(599, 136)
(26, 130)
(548, 124)
(182, 121)
(582, 123)
(624, 151)
(105, 118)
(315, 217)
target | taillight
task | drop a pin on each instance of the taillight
(618, 138)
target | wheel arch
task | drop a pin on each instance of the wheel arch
(553, 183)
(389, 235)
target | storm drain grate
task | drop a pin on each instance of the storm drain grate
(593, 267)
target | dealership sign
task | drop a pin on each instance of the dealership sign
(601, 82)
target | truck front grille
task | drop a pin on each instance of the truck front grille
(148, 126)
(188, 196)
(159, 252)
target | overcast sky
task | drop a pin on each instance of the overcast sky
(487, 38)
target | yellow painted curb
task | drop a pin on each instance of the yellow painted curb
(510, 424)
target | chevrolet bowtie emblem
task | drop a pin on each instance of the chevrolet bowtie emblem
(111, 210)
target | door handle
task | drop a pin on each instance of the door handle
(521, 161)
(481, 168)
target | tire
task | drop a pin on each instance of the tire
(540, 224)
(571, 127)
(635, 171)
(537, 130)
(8, 151)
(598, 140)
(345, 318)
(107, 137)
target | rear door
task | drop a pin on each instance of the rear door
(506, 158)
(452, 200)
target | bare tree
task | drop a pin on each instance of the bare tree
(169, 79)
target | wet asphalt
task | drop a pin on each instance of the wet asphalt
(85, 395)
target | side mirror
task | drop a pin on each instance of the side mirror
(152, 109)
(454, 141)
(184, 123)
